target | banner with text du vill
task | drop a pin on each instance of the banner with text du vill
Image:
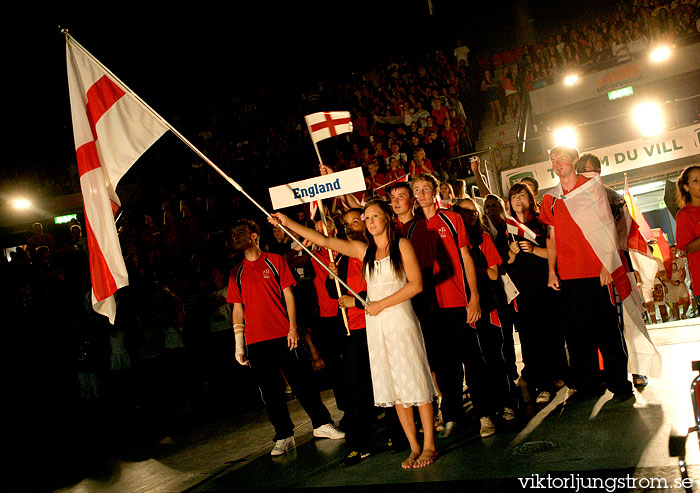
(317, 188)
(633, 154)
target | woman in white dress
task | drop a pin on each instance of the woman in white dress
(399, 365)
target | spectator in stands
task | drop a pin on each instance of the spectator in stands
(602, 55)
(489, 88)
(77, 238)
(447, 195)
(39, 238)
(375, 178)
(620, 48)
(439, 112)
(512, 96)
(461, 53)
(460, 189)
(450, 136)
(420, 164)
(398, 155)
(421, 115)
(396, 171)
(638, 41)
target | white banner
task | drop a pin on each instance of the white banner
(317, 188)
(633, 154)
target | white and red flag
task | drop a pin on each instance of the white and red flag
(590, 209)
(112, 129)
(517, 228)
(328, 124)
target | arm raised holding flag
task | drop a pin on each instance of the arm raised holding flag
(113, 127)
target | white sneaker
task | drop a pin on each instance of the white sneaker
(439, 423)
(543, 397)
(282, 446)
(487, 427)
(329, 431)
(508, 414)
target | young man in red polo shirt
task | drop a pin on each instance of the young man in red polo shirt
(442, 247)
(260, 288)
(590, 316)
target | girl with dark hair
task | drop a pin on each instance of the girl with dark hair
(400, 373)
(541, 337)
(688, 221)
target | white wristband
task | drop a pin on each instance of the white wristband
(240, 343)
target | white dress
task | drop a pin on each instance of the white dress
(397, 358)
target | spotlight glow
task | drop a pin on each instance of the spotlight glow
(649, 118)
(21, 204)
(565, 136)
(660, 54)
(570, 80)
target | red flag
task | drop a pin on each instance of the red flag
(112, 129)
(328, 124)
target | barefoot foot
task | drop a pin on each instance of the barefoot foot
(426, 458)
(411, 461)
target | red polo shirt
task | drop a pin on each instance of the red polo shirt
(575, 257)
(356, 316)
(488, 248)
(327, 305)
(261, 291)
(436, 248)
(687, 229)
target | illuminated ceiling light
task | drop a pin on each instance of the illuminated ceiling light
(21, 204)
(565, 136)
(660, 54)
(570, 80)
(649, 118)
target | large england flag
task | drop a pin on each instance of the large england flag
(328, 124)
(112, 129)
(589, 208)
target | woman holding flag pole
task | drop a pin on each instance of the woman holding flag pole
(541, 336)
(400, 373)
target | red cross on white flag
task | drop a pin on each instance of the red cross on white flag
(112, 129)
(517, 228)
(328, 124)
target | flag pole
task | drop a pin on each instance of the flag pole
(331, 254)
(199, 153)
(390, 183)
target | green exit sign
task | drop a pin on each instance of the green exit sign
(620, 93)
(65, 219)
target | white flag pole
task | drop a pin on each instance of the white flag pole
(201, 155)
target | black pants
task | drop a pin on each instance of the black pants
(267, 358)
(541, 339)
(506, 315)
(486, 370)
(442, 331)
(328, 334)
(590, 323)
(359, 414)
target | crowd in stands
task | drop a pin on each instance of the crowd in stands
(606, 41)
